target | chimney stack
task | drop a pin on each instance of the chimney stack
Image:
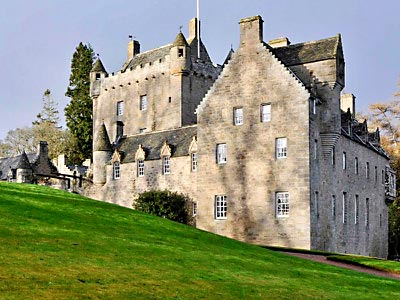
(348, 101)
(192, 29)
(279, 42)
(251, 30)
(133, 49)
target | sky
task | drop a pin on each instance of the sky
(39, 37)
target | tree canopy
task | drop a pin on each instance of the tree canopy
(79, 111)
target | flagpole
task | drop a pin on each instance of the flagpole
(198, 29)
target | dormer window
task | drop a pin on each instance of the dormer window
(181, 52)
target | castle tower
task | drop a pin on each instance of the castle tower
(97, 73)
(180, 56)
(102, 152)
(24, 169)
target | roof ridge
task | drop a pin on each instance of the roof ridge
(337, 36)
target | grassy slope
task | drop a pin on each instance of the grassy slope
(55, 245)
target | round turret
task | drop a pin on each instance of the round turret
(102, 151)
(180, 55)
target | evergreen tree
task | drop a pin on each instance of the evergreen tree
(49, 113)
(78, 113)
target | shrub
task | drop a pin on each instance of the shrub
(166, 204)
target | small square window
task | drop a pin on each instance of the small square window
(98, 76)
(180, 52)
(220, 207)
(221, 154)
(120, 108)
(281, 147)
(238, 116)
(265, 113)
(143, 102)
(282, 204)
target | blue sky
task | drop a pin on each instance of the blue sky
(38, 38)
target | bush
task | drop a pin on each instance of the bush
(166, 204)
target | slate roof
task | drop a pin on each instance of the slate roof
(308, 52)
(178, 140)
(7, 162)
(148, 56)
(24, 162)
(180, 40)
(98, 66)
(102, 142)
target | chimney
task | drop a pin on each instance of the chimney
(348, 101)
(43, 149)
(192, 30)
(133, 49)
(251, 30)
(279, 42)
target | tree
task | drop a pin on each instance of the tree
(165, 204)
(20, 139)
(49, 113)
(79, 111)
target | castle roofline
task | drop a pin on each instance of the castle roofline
(98, 67)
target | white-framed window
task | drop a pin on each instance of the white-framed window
(356, 165)
(120, 108)
(143, 102)
(220, 207)
(333, 206)
(194, 161)
(282, 204)
(367, 170)
(265, 113)
(194, 209)
(238, 116)
(166, 165)
(344, 208)
(356, 210)
(367, 212)
(221, 154)
(344, 161)
(281, 147)
(116, 170)
(140, 168)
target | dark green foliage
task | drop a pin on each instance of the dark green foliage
(165, 204)
(79, 111)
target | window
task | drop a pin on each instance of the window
(333, 156)
(194, 209)
(315, 149)
(316, 204)
(344, 208)
(314, 108)
(281, 147)
(220, 207)
(120, 130)
(238, 116)
(120, 108)
(344, 161)
(265, 113)
(356, 165)
(140, 168)
(376, 174)
(383, 177)
(194, 162)
(98, 76)
(367, 170)
(367, 212)
(166, 164)
(143, 102)
(333, 206)
(142, 130)
(282, 204)
(180, 52)
(356, 210)
(116, 170)
(221, 154)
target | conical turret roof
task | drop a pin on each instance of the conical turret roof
(102, 142)
(98, 66)
(180, 40)
(24, 162)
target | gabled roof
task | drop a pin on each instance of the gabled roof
(308, 52)
(147, 57)
(23, 162)
(98, 66)
(12, 162)
(178, 140)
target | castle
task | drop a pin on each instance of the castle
(265, 144)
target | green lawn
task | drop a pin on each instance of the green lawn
(370, 262)
(55, 245)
